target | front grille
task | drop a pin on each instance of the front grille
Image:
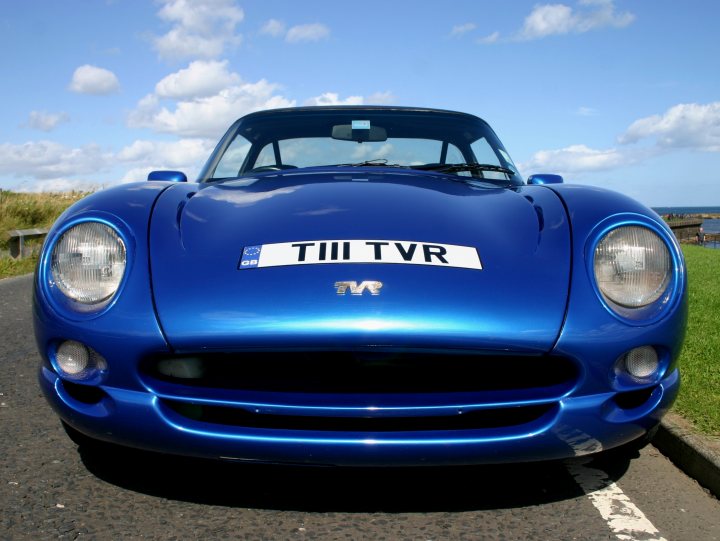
(474, 420)
(344, 372)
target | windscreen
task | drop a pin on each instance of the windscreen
(445, 142)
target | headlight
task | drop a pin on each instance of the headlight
(88, 262)
(632, 266)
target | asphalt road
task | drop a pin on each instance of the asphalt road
(49, 489)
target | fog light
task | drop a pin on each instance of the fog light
(187, 368)
(78, 362)
(640, 363)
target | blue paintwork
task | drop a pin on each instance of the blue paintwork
(182, 293)
(169, 176)
(420, 307)
(540, 179)
(128, 328)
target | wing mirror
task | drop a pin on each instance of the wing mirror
(544, 178)
(168, 176)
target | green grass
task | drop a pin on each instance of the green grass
(27, 211)
(699, 399)
(10, 267)
(30, 210)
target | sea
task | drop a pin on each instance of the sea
(709, 225)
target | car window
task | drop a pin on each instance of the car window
(484, 153)
(427, 140)
(266, 157)
(233, 159)
(314, 151)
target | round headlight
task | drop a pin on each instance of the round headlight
(632, 266)
(88, 262)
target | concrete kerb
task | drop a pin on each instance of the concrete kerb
(695, 454)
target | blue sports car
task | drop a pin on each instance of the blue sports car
(360, 286)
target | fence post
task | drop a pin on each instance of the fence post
(16, 242)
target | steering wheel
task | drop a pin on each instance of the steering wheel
(264, 168)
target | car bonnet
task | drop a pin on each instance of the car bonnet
(359, 258)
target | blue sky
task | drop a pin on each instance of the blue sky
(615, 93)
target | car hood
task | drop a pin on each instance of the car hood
(510, 296)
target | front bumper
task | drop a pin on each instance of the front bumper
(571, 426)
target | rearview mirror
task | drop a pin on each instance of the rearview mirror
(360, 131)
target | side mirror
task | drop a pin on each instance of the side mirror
(544, 178)
(168, 176)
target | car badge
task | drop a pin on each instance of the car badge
(372, 286)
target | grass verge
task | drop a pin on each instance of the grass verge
(30, 210)
(27, 211)
(10, 267)
(699, 399)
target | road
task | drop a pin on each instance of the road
(49, 489)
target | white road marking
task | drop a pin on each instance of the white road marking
(623, 517)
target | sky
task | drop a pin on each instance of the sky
(615, 93)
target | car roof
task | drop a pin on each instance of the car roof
(324, 109)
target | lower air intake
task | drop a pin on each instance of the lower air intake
(475, 420)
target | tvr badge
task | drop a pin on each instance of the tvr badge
(355, 289)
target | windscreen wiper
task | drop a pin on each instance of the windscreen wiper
(457, 167)
(378, 162)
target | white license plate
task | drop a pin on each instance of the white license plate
(314, 252)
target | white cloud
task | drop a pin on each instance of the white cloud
(364, 152)
(201, 78)
(380, 98)
(462, 29)
(492, 38)
(575, 159)
(295, 34)
(43, 160)
(273, 28)
(201, 28)
(333, 98)
(548, 19)
(50, 166)
(182, 154)
(138, 174)
(687, 125)
(58, 185)
(209, 116)
(552, 19)
(40, 120)
(186, 155)
(307, 32)
(89, 79)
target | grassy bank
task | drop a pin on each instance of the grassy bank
(699, 398)
(27, 211)
(9, 267)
